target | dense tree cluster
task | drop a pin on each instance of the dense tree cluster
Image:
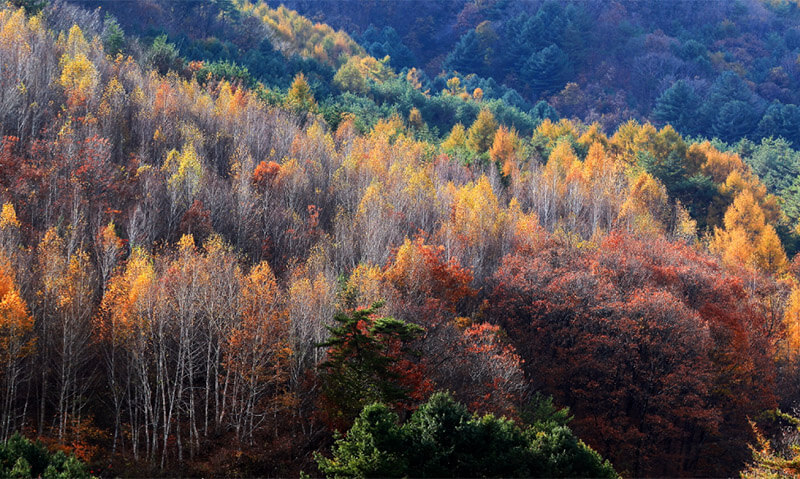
(203, 272)
(20, 457)
(732, 76)
(441, 439)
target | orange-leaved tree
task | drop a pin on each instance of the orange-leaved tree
(17, 342)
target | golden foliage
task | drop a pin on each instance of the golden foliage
(300, 96)
(747, 239)
(506, 150)
(477, 215)
(646, 199)
(185, 172)
(481, 134)
(553, 132)
(8, 217)
(79, 77)
(16, 323)
(456, 139)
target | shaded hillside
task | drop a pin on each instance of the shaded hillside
(207, 272)
(732, 75)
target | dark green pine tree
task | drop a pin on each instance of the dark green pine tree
(467, 56)
(548, 70)
(542, 111)
(695, 191)
(728, 87)
(365, 357)
(442, 439)
(113, 36)
(678, 106)
(164, 56)
(781, 121)
(735, 120)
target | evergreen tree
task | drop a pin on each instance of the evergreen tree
(113, 36)
(776, 164)
(678, 106)
(467, 56)
(366, 361)
(781, 121)
(735, 120)
(543, 111)
(695, 191)
(442, 439)
(548, 70)
(727, 88)
(20, 457)
(164, 56)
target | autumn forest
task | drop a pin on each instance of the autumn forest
(400, 238)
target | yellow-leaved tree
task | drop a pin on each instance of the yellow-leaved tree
(185, 174)
(9, 230)
(747, 239)
(79, 76)
(506, 150)
(123, 325)
(66, 302)
(481, 134)
(645, 206)
(475, 229)
(256, 355)
(300, 98)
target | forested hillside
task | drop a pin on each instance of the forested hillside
(229, 231)
(732, 75)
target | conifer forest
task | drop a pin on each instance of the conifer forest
(400, 238)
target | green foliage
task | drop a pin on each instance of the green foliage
(365, 355)
(781, 121)
(511, 116)
(736, 119)
(20, 457)
(678, 106)
(365, 110)
(467, 56)
(768, 463)
(441, 439)
(542, 413)
(300, 97)
(32, 7)
(387, 42)
(543, 111)
(373, 448)
(548, 69)
(164, 56)
(225, 71)
(481, 134)
(113, 36)
(695, 191)
(775, 163)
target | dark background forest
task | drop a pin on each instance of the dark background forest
(399, 238)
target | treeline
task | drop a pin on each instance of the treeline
(185, 262)
(723, 79)
(731, 76)
(265, 48)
